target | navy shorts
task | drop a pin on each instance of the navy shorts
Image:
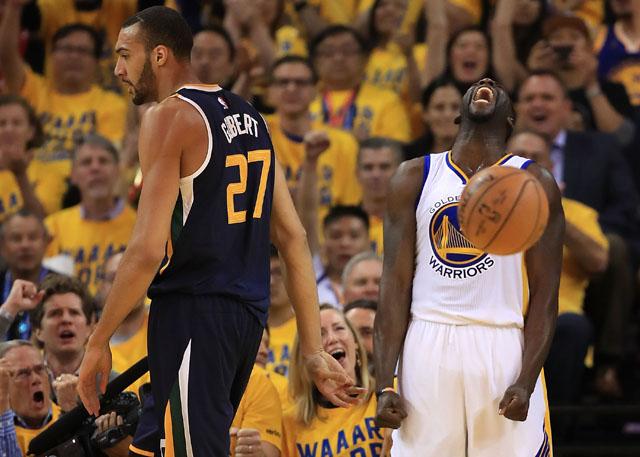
(201, 352)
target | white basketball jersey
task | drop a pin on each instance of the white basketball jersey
(454, 282)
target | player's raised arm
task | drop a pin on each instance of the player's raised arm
(288, 235)
(160, 163)
(544, 263)
(392, 318)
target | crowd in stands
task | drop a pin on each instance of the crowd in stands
(349, 90)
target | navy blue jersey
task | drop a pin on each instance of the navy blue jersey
(220, 226)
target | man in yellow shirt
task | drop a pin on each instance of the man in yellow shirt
(100, 226)
(69, 103)
(302, 142)
(339, 55)
(378, 160)
(585, 253)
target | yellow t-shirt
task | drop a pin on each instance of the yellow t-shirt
(573, 281)
(290, 41)
(66, 117)
(125, 354)
(387, 69)
(339, 432)
(260, 409)
(376, 112)
(49, 186)
(90, 243)
(25, 435)
(281, 383)
(376, 235)
(337, 183)
(281, 346)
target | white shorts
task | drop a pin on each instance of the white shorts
(452, 378)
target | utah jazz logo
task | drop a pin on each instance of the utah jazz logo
(449, 244)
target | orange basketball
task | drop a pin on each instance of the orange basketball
(503, 210)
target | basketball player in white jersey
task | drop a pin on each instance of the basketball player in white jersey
(471, 330)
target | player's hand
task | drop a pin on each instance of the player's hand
(331, 380)
(248, 443)
(515, 403)
(66, 388)
(315, 143)
(391, 410)
(24, 296)
(96, 362)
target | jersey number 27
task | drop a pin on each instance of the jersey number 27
(237, 188)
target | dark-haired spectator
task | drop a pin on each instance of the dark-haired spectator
(100, 226)
(567, 50)
(441, 102)
(346, 233)
(589, 167)
(307, 149)
(378, 160)
(23, 240)
(361, 314)
(361, 278)
(69, 102)
(32, 410)
(213, 56)
(339, 55)
(20, 132)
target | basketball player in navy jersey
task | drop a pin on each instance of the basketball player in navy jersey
(474, 329)
(213, 198)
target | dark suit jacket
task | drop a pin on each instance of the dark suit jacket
(596, 174)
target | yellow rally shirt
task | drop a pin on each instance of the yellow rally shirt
(25, 435)
(89, 242)
(125, 354)
(281, 346)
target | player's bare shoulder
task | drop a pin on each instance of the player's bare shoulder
(549, 185)
(406, 183)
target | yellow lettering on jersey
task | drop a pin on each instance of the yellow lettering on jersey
(240, 187)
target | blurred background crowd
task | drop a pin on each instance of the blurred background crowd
(349, 89)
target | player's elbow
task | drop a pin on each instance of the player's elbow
(145, 254)
(292, 237)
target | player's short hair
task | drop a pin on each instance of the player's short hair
(339, 211)
(361, 304)
(219, 30)
(68, 29)
(292, 58)
(57, 284)
(334, 30)
(34, 120)
(94, 139)
(163, 26)
(377, 142)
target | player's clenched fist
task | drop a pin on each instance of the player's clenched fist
(390, 411)
(515, 403)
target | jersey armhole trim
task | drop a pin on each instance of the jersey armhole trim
(425, 175)
(526, 164)
(207, 158)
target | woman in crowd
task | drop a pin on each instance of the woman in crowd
(311, 424)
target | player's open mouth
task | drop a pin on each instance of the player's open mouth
(483, 94)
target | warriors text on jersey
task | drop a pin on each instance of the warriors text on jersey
(454, 282)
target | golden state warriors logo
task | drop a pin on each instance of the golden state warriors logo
(449, 244)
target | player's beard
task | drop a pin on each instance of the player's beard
(145, 91)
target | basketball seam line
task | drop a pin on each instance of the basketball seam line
(487, 190)
(537, 218)
(506, 218)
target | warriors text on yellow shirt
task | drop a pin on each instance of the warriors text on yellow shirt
(89, 242)
(338, 432)
(280, 346)
(65, 118)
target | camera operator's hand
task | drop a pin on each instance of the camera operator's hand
(65, 387)
(107, 421)
(96, 362)
(5, 379)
